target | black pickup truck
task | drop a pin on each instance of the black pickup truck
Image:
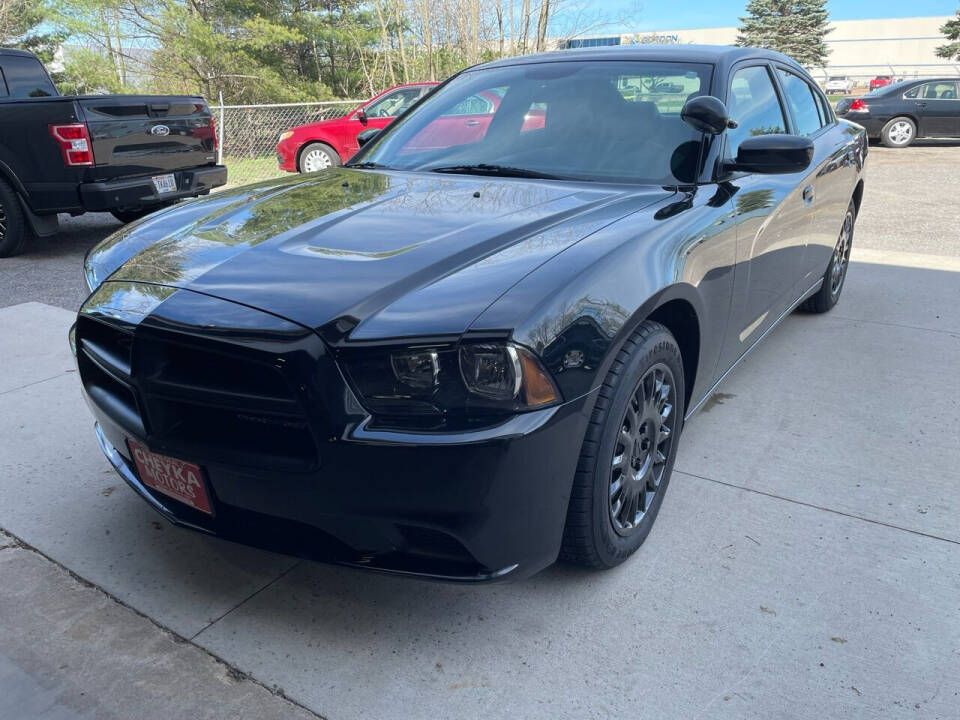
(124, 154)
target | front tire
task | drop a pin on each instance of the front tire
(899, 132)
(628, 451)
(317, 156)
(836, 273)
(13, 228)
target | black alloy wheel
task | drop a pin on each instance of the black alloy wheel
(628, 451)
(836, 273)
(13, 229)
(643, 446)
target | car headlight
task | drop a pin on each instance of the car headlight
(462, 385)
(285, 134)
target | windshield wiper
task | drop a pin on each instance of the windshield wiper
(497, 171)
(368, 166)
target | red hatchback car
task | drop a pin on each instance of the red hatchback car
(319, 145)
(880, 81)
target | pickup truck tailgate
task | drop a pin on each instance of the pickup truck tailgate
(137, 134)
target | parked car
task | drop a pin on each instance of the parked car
(319, 145)
(461, 362)
(124, 154)
(880, 81)
(900, 113)
(839, 84)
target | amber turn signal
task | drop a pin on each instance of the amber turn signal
(538, 388)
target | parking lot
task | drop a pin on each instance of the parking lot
(806, 562)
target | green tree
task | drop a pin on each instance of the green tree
(794, 27)
(23, 25)
(951, 29)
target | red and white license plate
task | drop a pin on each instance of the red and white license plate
(175, 478)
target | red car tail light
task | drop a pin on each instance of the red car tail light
(858, 106)
(74, 142)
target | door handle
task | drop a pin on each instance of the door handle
(472, 123)
(808, 195)
(921, 104)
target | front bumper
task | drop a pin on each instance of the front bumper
(287, 154)
(139, 192)
(454, 508)
(292, 462)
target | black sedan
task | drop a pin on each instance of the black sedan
(467, 353)
(900, 113)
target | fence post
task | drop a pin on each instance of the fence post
(222, 129)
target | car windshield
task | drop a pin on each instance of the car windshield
(600, 120)
(838, 78)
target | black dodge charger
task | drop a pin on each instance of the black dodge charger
(472, 350)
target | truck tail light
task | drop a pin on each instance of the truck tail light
(213, 129)
(74, 142)
(858, 106)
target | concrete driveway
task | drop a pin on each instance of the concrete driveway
(806, 562)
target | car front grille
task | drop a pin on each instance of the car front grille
(200, 398)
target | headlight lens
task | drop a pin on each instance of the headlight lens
(460, 385)
(285, 134)
(492, 370)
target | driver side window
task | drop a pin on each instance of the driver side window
(753, 103)
(392, 104)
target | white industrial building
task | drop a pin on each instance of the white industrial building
(860, 49)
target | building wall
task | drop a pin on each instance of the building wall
(903, 47)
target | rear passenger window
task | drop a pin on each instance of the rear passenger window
(752, 102)
(802, 103)
(26, 77)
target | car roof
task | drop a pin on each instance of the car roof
(911, 82)
(712, 54)
(19, 53)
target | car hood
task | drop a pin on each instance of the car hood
(365, 254)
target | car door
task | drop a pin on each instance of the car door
(938, 109)
(381, 111)
(832, 173)
(773, 219)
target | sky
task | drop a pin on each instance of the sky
(667, 15)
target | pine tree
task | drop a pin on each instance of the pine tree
(794, 27)
(951, 51)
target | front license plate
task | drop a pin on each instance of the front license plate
(175, 478)
(165, 183)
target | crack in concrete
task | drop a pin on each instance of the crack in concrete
(21, 544)
(820, 507)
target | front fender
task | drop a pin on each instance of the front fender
(577, 309)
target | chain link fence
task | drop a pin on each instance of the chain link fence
(248, 134)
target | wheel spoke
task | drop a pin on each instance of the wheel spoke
(643, 444)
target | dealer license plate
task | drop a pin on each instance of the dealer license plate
(174, 478)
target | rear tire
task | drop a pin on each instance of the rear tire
(317, 156)
(629, 450)
(13, 228)
(899, 132)
(836, 273)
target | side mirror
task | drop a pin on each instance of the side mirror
(706, 114)
(361, 116)
(773, 154)
(366, 136)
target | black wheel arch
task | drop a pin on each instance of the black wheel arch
(678, 308)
